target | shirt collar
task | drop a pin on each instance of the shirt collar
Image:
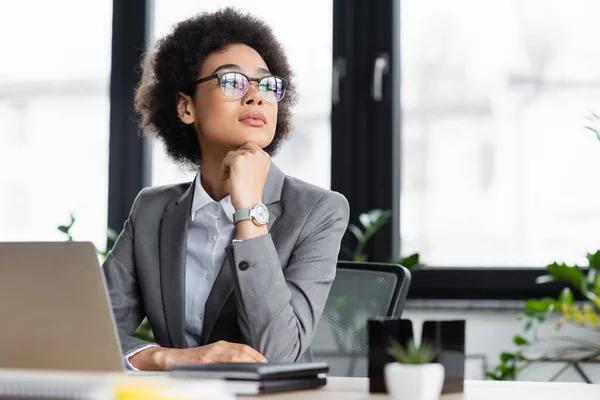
(202, 199)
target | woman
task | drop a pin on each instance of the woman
(235, 266)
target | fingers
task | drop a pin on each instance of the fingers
(256, 356)
(222, 352)
(231, 160)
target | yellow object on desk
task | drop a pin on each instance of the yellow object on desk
(146, 388)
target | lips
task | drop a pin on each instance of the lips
(253, 118)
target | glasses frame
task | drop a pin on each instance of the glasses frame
(220, 75)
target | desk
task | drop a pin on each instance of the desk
(358, 389)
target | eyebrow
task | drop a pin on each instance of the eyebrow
(238, 68)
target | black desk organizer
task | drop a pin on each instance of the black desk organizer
(446, 337)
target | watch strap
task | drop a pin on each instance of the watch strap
(241, 215)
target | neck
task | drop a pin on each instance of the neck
(210, 178)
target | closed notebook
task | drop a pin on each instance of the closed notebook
(257, 378)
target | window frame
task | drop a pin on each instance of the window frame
(366, 145)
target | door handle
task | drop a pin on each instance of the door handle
(339, 73)
(380, 68)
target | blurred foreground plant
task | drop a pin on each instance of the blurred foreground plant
(583, 317)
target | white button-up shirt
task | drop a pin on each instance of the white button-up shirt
(210, 231)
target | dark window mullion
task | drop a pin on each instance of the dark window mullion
(362, 127)
(128, 153)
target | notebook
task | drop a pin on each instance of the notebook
(259, 378)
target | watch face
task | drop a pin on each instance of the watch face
(261, 214)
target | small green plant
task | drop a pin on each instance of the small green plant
(371, 222)
(411, 354)
(66, 229)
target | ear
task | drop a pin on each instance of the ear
(185, 108)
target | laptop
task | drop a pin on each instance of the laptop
(258, 378)
(55, 314)
(54, 309)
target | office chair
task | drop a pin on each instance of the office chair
(361, 290)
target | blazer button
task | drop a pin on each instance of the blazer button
(243, 265)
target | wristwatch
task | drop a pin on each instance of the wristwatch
(258, 213)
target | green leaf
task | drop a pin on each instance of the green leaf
(520, 340)
(373, 221)
(595, 131)
(411, 353)
(506, 357)
(508, 372)
(594, 260)
(528, 326)
(571, 274)
(373, 217)
(361, 257)
(493, 376)
(541, 305)
(410, 261)
(63, 229)
(112, 235)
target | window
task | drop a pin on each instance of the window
(307, 155)
(54, 114)
(497, 167)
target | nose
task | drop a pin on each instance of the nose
(253, 96)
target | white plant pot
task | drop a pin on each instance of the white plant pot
(414, 382)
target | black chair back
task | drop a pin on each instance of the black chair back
(361, 290)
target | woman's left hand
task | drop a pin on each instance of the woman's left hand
(247, 169)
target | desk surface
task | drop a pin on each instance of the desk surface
(358, 389)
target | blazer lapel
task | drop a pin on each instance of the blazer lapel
(223, 286)
(220, 292)
(173, 236)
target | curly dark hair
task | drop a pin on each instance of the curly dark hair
(176, 61)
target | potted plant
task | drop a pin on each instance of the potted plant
(413, 376)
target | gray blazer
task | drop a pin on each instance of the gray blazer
(270, 291)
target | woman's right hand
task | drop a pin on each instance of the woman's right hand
(162, 359)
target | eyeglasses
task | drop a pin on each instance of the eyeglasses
(235, 85)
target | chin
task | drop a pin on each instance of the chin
(261, 138)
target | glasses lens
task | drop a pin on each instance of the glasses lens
(272, 88)
(234, 85)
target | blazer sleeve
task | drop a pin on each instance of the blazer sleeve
(279, 308)
(120, 273)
